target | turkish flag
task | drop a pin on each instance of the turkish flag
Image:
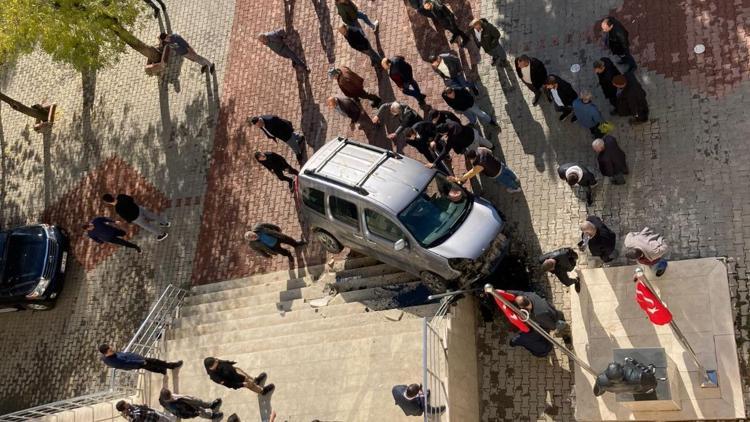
(656, 311)
(512, 317)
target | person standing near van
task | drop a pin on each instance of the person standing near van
(485, 163)
(458, 138)
(130, 211)
(266, 239)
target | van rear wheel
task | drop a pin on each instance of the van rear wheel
(330, 244)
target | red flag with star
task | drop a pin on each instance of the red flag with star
(512, 317)
(655, 309)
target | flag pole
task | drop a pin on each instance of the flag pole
(710, 378)
(524, 316)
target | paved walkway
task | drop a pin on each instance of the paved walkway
(189, 154)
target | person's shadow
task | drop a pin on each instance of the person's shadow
(427, 40)
(529, 131)
(325, 30)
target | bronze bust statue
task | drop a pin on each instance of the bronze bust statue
(629, 377)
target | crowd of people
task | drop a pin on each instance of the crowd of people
(434, 133)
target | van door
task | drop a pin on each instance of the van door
(382, 233)
(345, 217)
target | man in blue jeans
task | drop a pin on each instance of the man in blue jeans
(400, 72)
(351, 14)
(485, 163)
(127, 361)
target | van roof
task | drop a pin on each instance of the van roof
(382, 175)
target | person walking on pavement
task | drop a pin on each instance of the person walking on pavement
(611, 159)
(458, 138)
(152, 4)
(545, 315)
(648, 248)
(355, 36)
(560, 262)
(276, 41)
(407, 117)
(189, 407)
(606, 71)
(352, 85)
(576, 174)
(129, 361)
(449, 68)
(400, 72)
(420, 136)
(276, 164)
(181, 47)
(487, 36)
(104, 229)
(346, 107)
(462, 101)
(277, 128)
(351, 15)
(225, 373)
(140, 413)
(128, 210)
(533, 74)
(266, 239)
(615, 37)
(443, 17)
(485, 163)
(599, 239)
(631, 98)
(562, 95)
(588, 114)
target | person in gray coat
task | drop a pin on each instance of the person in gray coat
(266, 239)
(407, 117)
(276, 41)
(449, 68)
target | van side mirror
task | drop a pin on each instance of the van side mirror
(400, 244)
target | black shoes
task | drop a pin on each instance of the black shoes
(215, 405)
(175, 365)
(267, 389)
(578, 286)
(260, 378)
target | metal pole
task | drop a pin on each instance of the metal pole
(524, 316)
(710, 378)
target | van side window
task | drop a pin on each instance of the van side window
(381, 226)
(344, 211)
(314, 199)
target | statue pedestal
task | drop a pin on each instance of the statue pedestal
(666, 396)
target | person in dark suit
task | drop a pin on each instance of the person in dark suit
(400, 72)
(276, 164)
(487, 36)
(462, 101)
(615, 37)
(458, 138)
(560, 262)
(606, 71)
(266, 239)
(406, 116)
(442, 16)
(276, 41)
(599, 238)
(611, 159)
(631, 98)
(347, 108)
(439, 117)
(545, 315)
(275, 128)
(449, 68)
(533, 74)
(576, 174)
(189, 407)
(411, 399)
(420, 136)
(357, 40)
(561, 94)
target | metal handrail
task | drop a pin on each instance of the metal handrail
(144, 340)
(434, 362)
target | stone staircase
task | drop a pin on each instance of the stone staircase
(330, 339)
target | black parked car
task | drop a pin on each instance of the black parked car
(32, 266)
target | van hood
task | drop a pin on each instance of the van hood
(475, 234)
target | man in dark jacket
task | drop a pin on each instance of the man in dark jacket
(130, 211)
(224, 372)
(411, 399)
(544, 314)
(189, 407)
(276, 41)
(533, 74)
(400, 72)
(483, 162)
(128, 361)
(266, 239)
(442, 16)
(356, 38)
(420, 136)
(351, 14)
(462, 101)
(104, 229)
(458, 138)
(606, 71)
(611, 159)
(560, 262)
(140, 413)
(449, 68)
(631, 98)
(347, 108)
(576, 174)
(599, 238)
(615, 37)
(275, 128)
(406, 116)
(487, 36)
(561, 94)
(352, 85)
(276, 164)
(438, 117)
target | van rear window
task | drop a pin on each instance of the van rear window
(344, 211)
(314, 199)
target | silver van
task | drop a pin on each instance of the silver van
(396, 210)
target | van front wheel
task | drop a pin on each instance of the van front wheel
(330, 244)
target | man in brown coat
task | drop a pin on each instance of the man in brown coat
(352, 85)
(347, 108)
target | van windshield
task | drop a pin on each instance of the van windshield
(23, 256)
(438, 210)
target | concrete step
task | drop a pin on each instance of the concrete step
(310, 273)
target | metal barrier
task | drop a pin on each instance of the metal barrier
(123, 384)
(435, 363)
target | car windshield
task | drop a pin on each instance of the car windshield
(436, 212)
(24, 255)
